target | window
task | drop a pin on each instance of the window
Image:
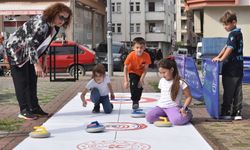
(118, 7)
(64, 50)
(138, 27)
(119, 27)
(131, 6)
(137, 6)
(151, 6)
(151, 27)
(132, 27)
(113, 27)
(113, 7)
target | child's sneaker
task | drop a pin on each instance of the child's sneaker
(135, 106)
(39, 112)
(237, 115)
(226, 115)
(27, 115)
(96, 109)
(138, 113)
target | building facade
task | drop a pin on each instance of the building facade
(150, 19)
(207, 14)
(185, 35)
(87, 26)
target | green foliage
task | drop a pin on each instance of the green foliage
(10, 124)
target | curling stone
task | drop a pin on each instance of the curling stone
(39, 132)
(95, 127)
(163, 122)
(138, 113)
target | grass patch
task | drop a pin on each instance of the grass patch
(155, 86)
(10, 124)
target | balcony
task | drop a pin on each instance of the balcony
(156, 36)
(204, 3)
(155, 15)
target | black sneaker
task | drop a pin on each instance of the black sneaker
(96, 109)
(39, 112)
(226, 115)
(27, 115)
(237, 115)
(135, 106)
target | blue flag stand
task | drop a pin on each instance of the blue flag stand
(209, 90)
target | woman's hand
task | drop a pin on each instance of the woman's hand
(39, 70)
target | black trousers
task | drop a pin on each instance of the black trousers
(134, 90)
(232, 96)
(25, 83)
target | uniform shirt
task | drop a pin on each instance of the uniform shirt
(22, 45)
(102, 87)
(136, 63)
(233, 65)
(165, 100)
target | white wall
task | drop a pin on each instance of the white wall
(213, 28)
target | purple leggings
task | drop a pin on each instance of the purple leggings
(173, 114)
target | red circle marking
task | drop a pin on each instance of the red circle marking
(118, 145)
(123, 126)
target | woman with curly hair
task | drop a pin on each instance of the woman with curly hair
(24, 48)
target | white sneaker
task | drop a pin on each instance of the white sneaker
(238, 118)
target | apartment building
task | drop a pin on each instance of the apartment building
(87, 26)
(185, 35)
(207, 14)
(150, 19)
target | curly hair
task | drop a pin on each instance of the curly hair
(50, 13)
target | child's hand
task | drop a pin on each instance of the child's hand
(126, 85)
(216, 59)
(140, 84)
(112, 96)
(183, 111)
(84, 103)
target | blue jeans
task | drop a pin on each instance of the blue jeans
(104, 100)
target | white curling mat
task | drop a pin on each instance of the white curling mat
(67, 128)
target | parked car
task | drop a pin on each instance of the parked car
(119, 54)
(64, 55)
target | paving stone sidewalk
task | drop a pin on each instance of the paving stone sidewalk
(221, 135)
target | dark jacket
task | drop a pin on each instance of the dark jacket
(22, 45)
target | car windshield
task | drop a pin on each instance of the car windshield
(199, 49)
(116, 48)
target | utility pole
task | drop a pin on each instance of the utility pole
(109, 38)
(130, 25)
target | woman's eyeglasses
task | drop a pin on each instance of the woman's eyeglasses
(62, 18)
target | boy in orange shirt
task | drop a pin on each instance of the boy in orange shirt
(135, 67)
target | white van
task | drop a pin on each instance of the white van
(182, 51)
(198, 51)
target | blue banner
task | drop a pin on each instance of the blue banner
(211, 86)
(188, 71)
(193, 79)
(246, 77)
